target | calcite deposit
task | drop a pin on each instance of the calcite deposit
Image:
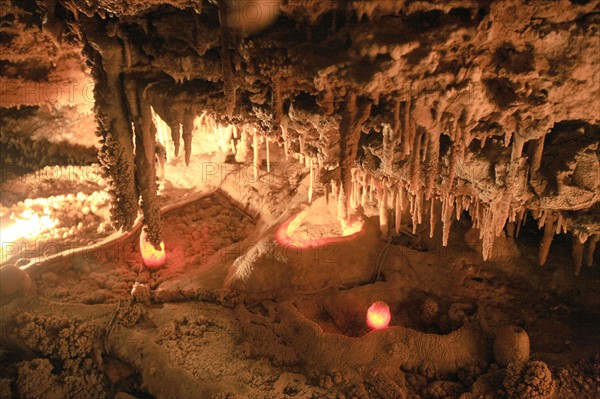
(381, 130)
(489, 107)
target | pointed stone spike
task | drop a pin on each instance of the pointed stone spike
(256, 157)
(510, 229)
(342, 204)
(398, 209)
(269, 157)
(383, 209)
(432, 218)
(577, 254)
(589, 253)
(187, 132)
(310, 183)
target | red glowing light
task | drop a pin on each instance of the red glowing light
(378, 315)
(153, 258)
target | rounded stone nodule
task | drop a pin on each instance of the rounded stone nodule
(511, 345)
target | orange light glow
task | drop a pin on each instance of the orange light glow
(378, 315)
(286, 233)
(153, 258)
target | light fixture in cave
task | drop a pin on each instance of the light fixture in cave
(152, 257)
(378, 315)
(316, 226)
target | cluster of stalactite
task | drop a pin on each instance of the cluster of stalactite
(127, 134)
(429, 109)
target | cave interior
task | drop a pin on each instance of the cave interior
(272, 199)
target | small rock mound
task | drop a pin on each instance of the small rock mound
(531, 380)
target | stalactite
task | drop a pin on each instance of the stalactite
(577, 253)
(286, 145)
(256, 155)
(353, 190)
(383, 207)
(546, 242)
(342, 203)
(269, 157)
(413, 213)
(487, 232)
(228, 81)
(415, 165)
(517, 150)
(398, 209)
(355, 115)
(187, 134)
(589, 254)
(311, 179)
(390, 142)
(116, 154)
(365, 189)
(432, 218)
(420, 202)
(535, 150)
(510, 229)
(432, 162)
(145, 146)
(241, 154)
(408, 132)
(559, 223)
(301, 140)
(447, 208)
(277, 99)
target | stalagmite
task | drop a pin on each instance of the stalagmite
(547, 238)
(577, 254)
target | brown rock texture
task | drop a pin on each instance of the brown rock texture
(489, 107)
